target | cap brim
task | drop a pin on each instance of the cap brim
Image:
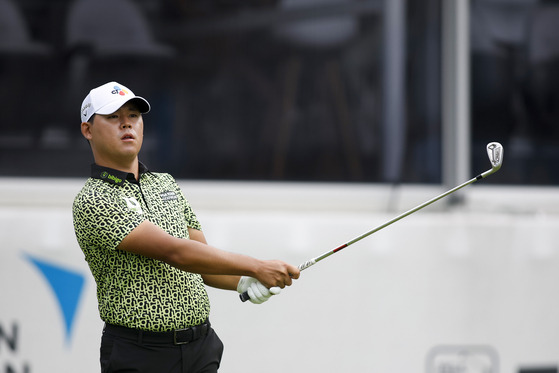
(142, 104)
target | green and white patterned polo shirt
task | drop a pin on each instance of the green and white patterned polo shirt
(133, 290)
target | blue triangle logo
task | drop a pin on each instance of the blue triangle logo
(67, 286)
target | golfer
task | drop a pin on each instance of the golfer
(147, 253)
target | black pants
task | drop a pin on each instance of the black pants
(122, 352)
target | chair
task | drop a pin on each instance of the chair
(321, 33)
(106, 37)
(112, 28)
(315, 43)
(15, 38)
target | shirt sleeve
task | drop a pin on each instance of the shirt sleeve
(191, 219)
(103, 220)
(190, 216)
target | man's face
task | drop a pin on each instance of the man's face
(116, 137)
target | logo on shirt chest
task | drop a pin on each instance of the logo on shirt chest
(168, 196)
(133, 204)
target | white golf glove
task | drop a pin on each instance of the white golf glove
(257, 292)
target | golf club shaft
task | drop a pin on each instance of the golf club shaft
(494, 151)
(244, 296)
(313, 261)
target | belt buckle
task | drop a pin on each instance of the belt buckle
(182, 341)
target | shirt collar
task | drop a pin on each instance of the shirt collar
(113, 176)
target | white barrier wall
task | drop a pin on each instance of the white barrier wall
(449, 289)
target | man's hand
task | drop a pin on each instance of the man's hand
(257, 292)
(272, 273)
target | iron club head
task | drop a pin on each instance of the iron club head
(495, 154)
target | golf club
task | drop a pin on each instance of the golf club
(495, 154)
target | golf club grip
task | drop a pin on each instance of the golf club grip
(244, 296)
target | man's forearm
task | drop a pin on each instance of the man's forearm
(224, 282)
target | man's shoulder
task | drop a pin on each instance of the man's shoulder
(91, 185)
(161, 178)
(160, 175)
(93, 189)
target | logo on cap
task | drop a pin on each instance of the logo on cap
(119, 91)
(85, 109)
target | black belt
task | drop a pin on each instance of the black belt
(177, 336)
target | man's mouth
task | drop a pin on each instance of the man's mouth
(127, 137)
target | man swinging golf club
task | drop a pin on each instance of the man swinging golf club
(147, 253)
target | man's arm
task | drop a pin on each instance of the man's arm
(225, 282)
(149, 240)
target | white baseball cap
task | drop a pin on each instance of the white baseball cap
(108, 98)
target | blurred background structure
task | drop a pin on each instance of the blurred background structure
(314, 90)
(308, 122)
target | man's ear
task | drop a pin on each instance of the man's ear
(86, 130)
